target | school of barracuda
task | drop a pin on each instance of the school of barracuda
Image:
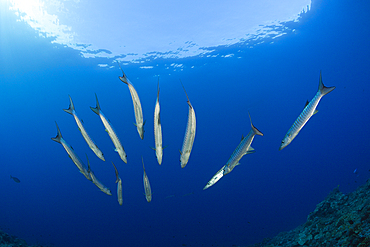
(242, 149)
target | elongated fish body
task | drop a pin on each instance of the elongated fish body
(242, 149)
(137, 105)
(119, 186)
(158, 130)
(189, 135)
(89, 141)
(306, 114)
(147, 189)
(96, 181)
(215, 178)
(112, 134)
(71, 153)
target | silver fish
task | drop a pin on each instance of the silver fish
(137, 105)
(119, 186)
(306, 114)
(147, 189)
(89, 141)
(158, 130)
(215, 178)
(112, 134)
(71, 153)
(189, 135)
(242, 149)
(96, 181)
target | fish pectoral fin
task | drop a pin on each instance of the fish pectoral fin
(250, 152)
(180, 152)
(165, 147)
(135, 124)
(106, 130)
(115, 150)
(144, 122)
(316, 111)
(153, 148)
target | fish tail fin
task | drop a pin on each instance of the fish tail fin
(97, 108)
(324, 90)
(71, 106)
(255, 130)
(59, 135)
(115, 168)
(123, 78)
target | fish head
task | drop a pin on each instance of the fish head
(140, 129)
(286, 141)
(184, 159)
(159, 158)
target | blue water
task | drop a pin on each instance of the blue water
(271, 191)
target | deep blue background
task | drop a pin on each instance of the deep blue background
(271, 191)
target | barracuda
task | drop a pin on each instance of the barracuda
(189, 135)
(137, 105)
(89, 141)
(71, 153)
(112, 134)
(306, 114)
(158, 130)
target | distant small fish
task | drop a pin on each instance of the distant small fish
(137, 105)
(306, 114)
(147, 189)
(189, 135)
(15, 179)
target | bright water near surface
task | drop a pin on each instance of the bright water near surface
(271, 191)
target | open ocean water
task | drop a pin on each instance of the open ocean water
(269, 192)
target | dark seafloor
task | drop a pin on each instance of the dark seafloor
(339, 220)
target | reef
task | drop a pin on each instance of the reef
(7, 240)
(339, 220)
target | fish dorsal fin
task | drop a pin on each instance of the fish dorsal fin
(307, 102)
(250, 148)
(242, 137)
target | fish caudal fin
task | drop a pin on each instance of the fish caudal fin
(71, 106)
(97, 108)
(59, 135)
(255, 130)
(324, 90)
